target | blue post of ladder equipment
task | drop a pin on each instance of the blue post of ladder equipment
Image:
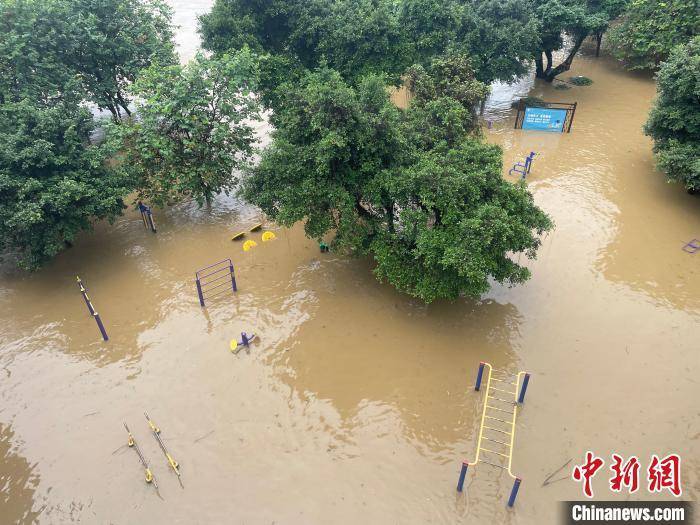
(523, 388)
(514, 492)
(233, 276)
(479, 375)
(462, 475)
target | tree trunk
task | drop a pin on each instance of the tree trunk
(550, 61)
(124, 104)
(551, 74)
(598, 42)
(539, 65)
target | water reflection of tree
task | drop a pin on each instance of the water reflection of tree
(369, 351)
(18, 482)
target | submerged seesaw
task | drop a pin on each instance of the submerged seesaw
(498, 424)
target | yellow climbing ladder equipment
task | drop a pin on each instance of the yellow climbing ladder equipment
(504, 393)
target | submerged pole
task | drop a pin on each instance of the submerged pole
(479, 376)
(462, 475)
(101, 326)
(199, 292)
(514, 492)
(233, 276)
(523, 389)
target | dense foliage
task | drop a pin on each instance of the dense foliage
(417, 190)
(674, 121)
(357, 38)
(54, 56)
(577, 19)
(650, 29)
(53, 183)
(193, 128)
(85, 49)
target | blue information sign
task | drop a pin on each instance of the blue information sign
(544, 119)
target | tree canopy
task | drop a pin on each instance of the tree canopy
(674, 121)
(53, 183)
(357, 38)
(193, 128)
(86, 49)
(650, 29)
(576, 18)
(416, 190)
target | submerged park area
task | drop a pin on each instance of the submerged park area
(330, 376)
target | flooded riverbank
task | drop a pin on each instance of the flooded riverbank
(357, 403)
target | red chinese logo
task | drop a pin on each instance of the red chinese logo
(586, 472)
(626, 475)
(662, 474)
(665, 474)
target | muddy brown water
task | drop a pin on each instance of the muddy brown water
(357, 403)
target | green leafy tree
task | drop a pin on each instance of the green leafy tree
(193, 128)
(674, 121)
(361, 37)
(87, 49)
(354, 37)
(575, 18)
(53, 183)
(650, 29)
(33, 37)
(448, 76)
(113, 41)
(429, 204)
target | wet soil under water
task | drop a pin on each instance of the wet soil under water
(357, 403)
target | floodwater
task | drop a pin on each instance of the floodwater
(357, 403)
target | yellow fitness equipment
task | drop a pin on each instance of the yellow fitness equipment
(249, 245)
(156, 433)
(268, 236)
(132, 444)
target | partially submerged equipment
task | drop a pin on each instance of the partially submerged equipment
(249, 245)
(214, 280)
(523, 168)
(147, 216)
(497, 429)
(245, 340)
(692, 247)
(239, 236)
(156, 433)
(268, 236)
(91, 308)
(150, 478)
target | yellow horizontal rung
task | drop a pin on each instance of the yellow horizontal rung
(501, 420)
(497, 430)
(499, 409)
(511, 401)
(501, 390)
(494, 452)
(496, 441)
(501, 381)
(492, 464)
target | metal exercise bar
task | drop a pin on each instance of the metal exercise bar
(91, 309)
(485, 372)
(205, 286)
